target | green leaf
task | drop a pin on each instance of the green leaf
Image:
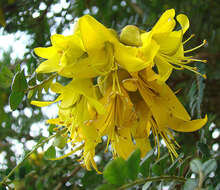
(209, 166)
(115, 171)
(204, 149)
(106, 187)
(196, 166)
(157, 169)
(15, 99)
(50, 153)
(217, 187)
(19, 85)
(190, 184)
(172, 166)
(91, 179)
(18, 68)
(145, 164)
(19, 82)
(51, 128)
(133, 164)
(146, 185)
(30, 94)
(6, 77)
(60, 141)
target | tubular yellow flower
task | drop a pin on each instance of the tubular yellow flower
(167, 112)
(117, 122)
(171, 52)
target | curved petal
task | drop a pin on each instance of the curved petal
(126, 57)
(57, 40)
(170, 44)
(155, 94)
(164, 68)
(186, 126)
(166, 23)
(49, 66)
(93, 33)
(184, 22)
(43, 104)
(57, 87)
(46, 53)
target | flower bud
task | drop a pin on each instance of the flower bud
(130, 35)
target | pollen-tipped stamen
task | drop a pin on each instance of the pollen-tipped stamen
(197, 47)
(193, 35)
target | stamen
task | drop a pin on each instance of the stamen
(181, 65)
(193, 35)
(197, 47)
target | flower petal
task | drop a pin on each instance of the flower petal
(49, 66)
(166, 23)
(46, 53)
(164, 68)
(43, 104)
(93, 33)
(184, 22)
(186, 126)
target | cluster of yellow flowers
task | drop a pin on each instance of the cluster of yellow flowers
(115, 91)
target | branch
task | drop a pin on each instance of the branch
(44, 81)
(144, 180)
(4, 181)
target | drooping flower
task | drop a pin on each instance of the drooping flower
(117, 122)
(165, 110)
(171, 52)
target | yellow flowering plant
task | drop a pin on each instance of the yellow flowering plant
(118, 86)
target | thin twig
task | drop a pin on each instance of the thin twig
(142, 181)
(44, 81)
(3, 182)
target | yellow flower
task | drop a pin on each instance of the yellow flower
(77, 55)
(117, 122)
(165, 110)
(141, 130)
(56, 55)
(114, 91)
(89, 135)
(94, 35)
(171, 51)
(75, 98)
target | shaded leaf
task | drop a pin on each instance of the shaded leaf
(204, 149)
(209, 166)
(190, 184)
(146, 185)
(50, 153)
(145, 164)
(133, 164)
(196, 166)
(115, 172)
(15, 99)
(106, 187)
(19, 85)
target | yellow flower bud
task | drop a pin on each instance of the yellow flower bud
(130, 35)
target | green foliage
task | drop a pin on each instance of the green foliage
(60, 141)
(6, 77)
(133, 164)
(19, 86)
(115, 172)
(50, 153)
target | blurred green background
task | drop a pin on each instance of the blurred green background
(29, 24)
